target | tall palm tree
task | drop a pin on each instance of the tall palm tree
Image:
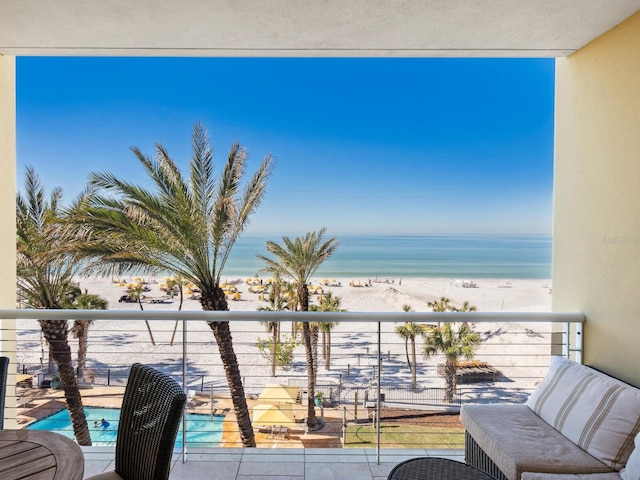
(136, 291)
(298, 259)
(277, 303)
(466, 307)
(184, 226)
(453, 345)
(80, 329)
(172, 284)
(290, 292)
(442, 305)
(329, 303)
(409, 331)
(45, 271)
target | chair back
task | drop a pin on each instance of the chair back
(149, 420)
(4, 368)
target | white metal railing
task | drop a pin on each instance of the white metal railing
(368, 359)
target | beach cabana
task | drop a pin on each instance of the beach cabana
(269, 415)
(275, 393)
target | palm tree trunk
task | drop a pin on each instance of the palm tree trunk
(414, 369)
(175, 327)
(327, 363)
(234, 380)
(55, 332)
(311, 375)
(450, 379)
(324, 345)
(153, 342)
(303, 298)
(274, 351)
(83, 339)
(216, 301)
(406, 350)
(314, 340)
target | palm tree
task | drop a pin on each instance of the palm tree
(453, 345)
(290, 293)
(401, 331)
(329, 303)
(277, 303)
(136, 291)
(172, 284)
(80, 329)
(298, 259)
(442, 305)
(409, 331)
(186, 227)
(45, 271)
(466, 307)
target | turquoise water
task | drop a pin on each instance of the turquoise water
(388, 256)
(202, 430)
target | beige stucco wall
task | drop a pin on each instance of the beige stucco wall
(8, 221)
(596, 258)
(8, 172)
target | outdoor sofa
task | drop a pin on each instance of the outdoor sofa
(578, 424)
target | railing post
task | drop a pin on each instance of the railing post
(578, 343)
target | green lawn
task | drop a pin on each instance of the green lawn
(405, 436)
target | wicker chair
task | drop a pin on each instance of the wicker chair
(149, 422)
(4, 367)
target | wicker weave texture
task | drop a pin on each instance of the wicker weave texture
(430, 468)
(477, 458)
(4, 368)
(149, 420)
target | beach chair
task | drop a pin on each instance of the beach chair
(149, 421)
(4, 368)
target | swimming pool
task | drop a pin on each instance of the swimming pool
(202, 430)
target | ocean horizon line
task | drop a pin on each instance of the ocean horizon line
(432, 256)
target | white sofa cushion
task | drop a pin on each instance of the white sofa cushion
(517, 440)
(596, 412)
(632, 469)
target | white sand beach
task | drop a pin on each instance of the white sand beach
(384, 295)
(116, 344)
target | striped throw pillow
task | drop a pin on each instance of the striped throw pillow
(632, 470)
(596, 412)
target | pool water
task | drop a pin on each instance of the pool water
(202, 430)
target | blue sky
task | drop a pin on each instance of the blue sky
(363, 146)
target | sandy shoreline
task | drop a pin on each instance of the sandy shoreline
(489, 295)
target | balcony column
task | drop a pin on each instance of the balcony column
(8, 223)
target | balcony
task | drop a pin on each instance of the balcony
(367, 372)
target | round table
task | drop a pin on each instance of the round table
(431, 468)
(26, 454)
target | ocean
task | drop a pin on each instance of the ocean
(395, 256)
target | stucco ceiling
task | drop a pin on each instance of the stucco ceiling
(494, 28)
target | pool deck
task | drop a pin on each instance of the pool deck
(300, 456)
(278, 464)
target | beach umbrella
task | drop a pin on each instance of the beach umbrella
(275, 393)
(264, 414)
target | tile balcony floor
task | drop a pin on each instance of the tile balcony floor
(278, 464)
